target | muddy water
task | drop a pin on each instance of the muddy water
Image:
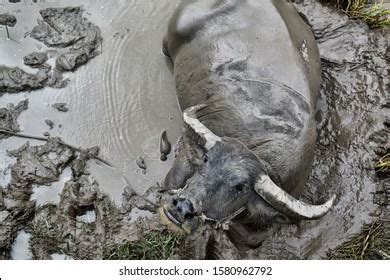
(121, 101)
(124, 98)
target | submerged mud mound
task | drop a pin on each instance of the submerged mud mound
(9, 115)
(73, 41)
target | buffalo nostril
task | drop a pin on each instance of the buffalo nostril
(174, 202)
(185, 207)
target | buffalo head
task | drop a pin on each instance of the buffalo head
(228, 180)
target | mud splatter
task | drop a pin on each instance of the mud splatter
(64, 225)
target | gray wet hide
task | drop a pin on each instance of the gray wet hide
(255, 64)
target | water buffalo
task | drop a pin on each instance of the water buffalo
(247, 76)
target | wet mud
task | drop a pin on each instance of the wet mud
(71, 39)
(67, 29)
(8, 20)
(9, 115)
(114, 106)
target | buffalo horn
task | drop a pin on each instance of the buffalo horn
(191, 119)
(287, 204)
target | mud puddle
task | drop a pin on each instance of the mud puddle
(121, 101)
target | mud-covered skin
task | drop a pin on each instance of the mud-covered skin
(9, 115)
(260, 88)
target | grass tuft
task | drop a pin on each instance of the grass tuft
(375, 15)
(372, 243)
(154, 245)
(383, 165)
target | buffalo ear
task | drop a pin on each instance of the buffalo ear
(198, 130)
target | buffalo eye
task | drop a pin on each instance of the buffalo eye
(205, 159)
(239, 187)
